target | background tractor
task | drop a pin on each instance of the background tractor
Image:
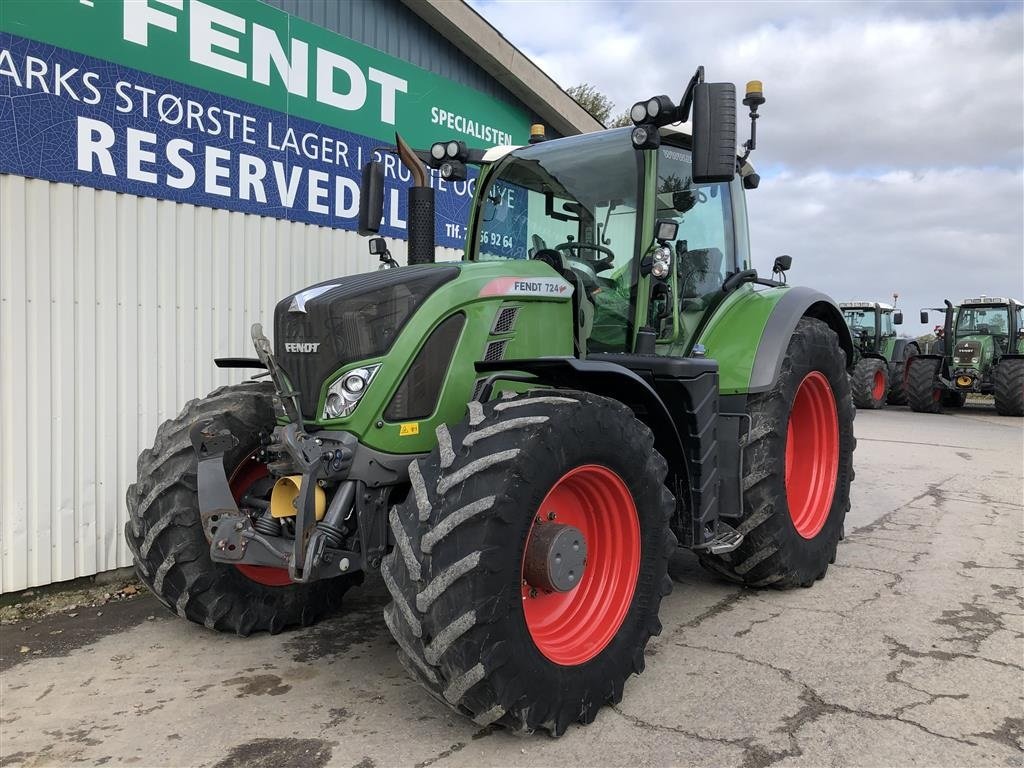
(982, 351)
(520, 440)
(881, 357)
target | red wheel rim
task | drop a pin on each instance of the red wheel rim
(571, 628)
(245, 476)
(878, 387)
(812, 454)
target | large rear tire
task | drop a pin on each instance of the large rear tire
(869, 383)
(1009, 387)
(924, 393)
(470, 621)
(898, 375)
(165, 534)
(797, 468)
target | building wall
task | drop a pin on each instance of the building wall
(112, 308)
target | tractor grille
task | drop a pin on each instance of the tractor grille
(505, 320)
(495, 350)
(967, 353)
(323, 327)
(416, 397)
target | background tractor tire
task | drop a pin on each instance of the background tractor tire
(469, 625)
(898, 375)
(924, 393)
(1009, 387)
(869, 383)
(952, 399)
(800, 429)
(165, 534)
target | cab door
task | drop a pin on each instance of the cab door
(710, 244)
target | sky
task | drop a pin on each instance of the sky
(891, 144)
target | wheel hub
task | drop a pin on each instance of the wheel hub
(556, 555)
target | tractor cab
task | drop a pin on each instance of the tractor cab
(990, 323)
(589, 206)
(872, 325)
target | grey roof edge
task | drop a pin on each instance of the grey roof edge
(471, 33)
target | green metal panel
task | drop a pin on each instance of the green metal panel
(544, 327)
(732, 335)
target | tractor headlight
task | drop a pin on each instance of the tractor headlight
(646, 137)
(345, 393)
(638, 112)
(661, 262)
(437, 150)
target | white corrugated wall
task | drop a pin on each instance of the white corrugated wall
(112, 308)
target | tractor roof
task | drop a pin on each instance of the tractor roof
(990, 301)
(683, 129)
(866, 305)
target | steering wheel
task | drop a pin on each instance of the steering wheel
(598, 265)
(553, 259)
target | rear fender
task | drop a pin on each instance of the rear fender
(750, 333)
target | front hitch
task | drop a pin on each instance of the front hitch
(230, 531)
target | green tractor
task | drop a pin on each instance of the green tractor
(880, 356)
(982, 352)
(519, 441)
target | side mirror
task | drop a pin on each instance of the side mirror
(371, 198)
(897, 318)
(924, 316)
(714, 133)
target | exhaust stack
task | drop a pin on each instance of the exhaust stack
(421, 207)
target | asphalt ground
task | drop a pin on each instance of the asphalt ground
(910, 652)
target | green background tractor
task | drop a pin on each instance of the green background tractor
(881, 356)
(981, 351)
(520, 440)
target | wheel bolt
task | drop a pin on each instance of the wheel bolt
(551, 515)
(533, 592)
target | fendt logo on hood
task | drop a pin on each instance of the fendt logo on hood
(301, 346)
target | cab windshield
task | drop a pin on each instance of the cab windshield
(982, 321)
(860, 320)
(577, 198)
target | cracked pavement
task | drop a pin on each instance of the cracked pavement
(910, 652)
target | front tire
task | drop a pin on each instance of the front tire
(470, 623)
(165, 533)
(1009, 387)
(869, 383)
(924, 394)
(797, 468)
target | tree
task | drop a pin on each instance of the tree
(596, 103)
(621, 120)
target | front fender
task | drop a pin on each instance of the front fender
(751, 329)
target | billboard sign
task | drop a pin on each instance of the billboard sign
(226, 104)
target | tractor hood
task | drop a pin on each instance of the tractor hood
(330, 324)
(972, 351)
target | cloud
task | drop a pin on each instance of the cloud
(927, 236)
(863, 86)
(891, 145)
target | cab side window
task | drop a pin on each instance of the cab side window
(705, 247)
